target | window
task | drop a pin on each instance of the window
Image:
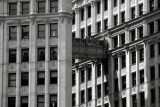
(116, 103)
(12, 32)
(105, 24)
(122, 17)
(40, 100)
(53, 77)
(53, 6)
(142, 99)
(122, 1)
(159, 69)
(41, 30)
(151, 27)
(12, 56)
(133, 57)
(122, 38)
(152, 71)
(123, 82)
(11, 101)
(24, 78)
(89, 70)
(151, 5)
(98, 70)
(123, 102)
(73, 34)
(41, 54)
(99, 91)
(152, 53)
(98, 7)
(153, 95)
(53, 100)
(134, 100)
(82, 76)
(82, 33)
(115, 41)
(24, 101)
(141, 54)
(141, 76)
(123, 61)
(115, 64)
(25, 31)
(73, 20)
(158, 4)
(106, 88)
(89, 31)
(41, 6)
(98, 27)
(158, 25)
(140, 31)
(25, 55)
(133, 35)
(105, 5)
(82, 14)
(106, 105)
(53, 53)
(12, 80)
(115, 3)
(12, 8)
(116, 88)
(40, 78)
(133, 78)
(73, 99)
(158, 48)
(140, 9)
(82, 96)
(53, 29)
(25, 7)
(132, 12)
(89, 11)
(73, 78)
(115, 20)
(89, 94)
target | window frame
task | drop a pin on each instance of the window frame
(24, 80)
(41, 10)
(11, 10)
(41, 80)
(11, 82)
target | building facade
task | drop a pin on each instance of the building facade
(34, 53)
(130, 75)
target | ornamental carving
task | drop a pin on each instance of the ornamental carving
(41, 42)
(12, 44)
(12, 67)
(25, 43)
(40, 65)
(24, 66)
(24, 90)
(40, 89)
(12, 91)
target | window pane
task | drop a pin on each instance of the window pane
(12, 32)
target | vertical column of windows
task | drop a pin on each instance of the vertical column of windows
(123, 17)
(133, 13)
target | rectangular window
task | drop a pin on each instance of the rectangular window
(11, 101)
(53, 100)
(73, 100)
(89, 70)
(89, 11)
(12, 56)
(12, 80)
(41, 54)
(140, 31)
(53, 77)
(89, 94)
(98, 70)
(105, 24)
(12, 8)
(122, 17)
(82, 96)
(82, 33)
(133, 35)
(124, 102)
(24, 101)
(40, 100)
(73, 34)
(12, 32)
(25, 31)
(25, 7)
(40, 78)
(73, 78)
(53, 29)
(89, 31)
(115, 20)
(82, 76)
(122, 38)
(151, 5)
(115, 41)
(133, 57)
(115, 3)
(123, 82)
(116, 88)
(73, 20)
(133, 12)
(53, 6)
(133, 78)
(99, 91)
(152, 53)
(123, 61)
(106, 105)
(25, 55)
(24, 78)
(140, 9)
(159, 69)
(116, 103)
(158, 3)
(82, 14)
(105, 5)
(134, 100)
(41, 30)
(153, 95)
(158, 48)
(158, 25)
(142, 99)
(106, 88)
(152, 71)
(53, 53)
(151, 27)
(98, 27)
(141, 54)
(41, 6)
(115, 64)
(98, 7)
(141, 76)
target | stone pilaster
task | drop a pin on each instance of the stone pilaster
(18, 8)
(94, 104)
(93, 17)
(77, 87)
(77, 22)
(102, 15)
(33, 7)
(145, 6)
(47, 6)
(102, 83)
(127, 10)
(85, 21)
(110, 13)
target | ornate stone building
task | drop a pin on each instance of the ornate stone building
(130, 75)
(35, 54)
